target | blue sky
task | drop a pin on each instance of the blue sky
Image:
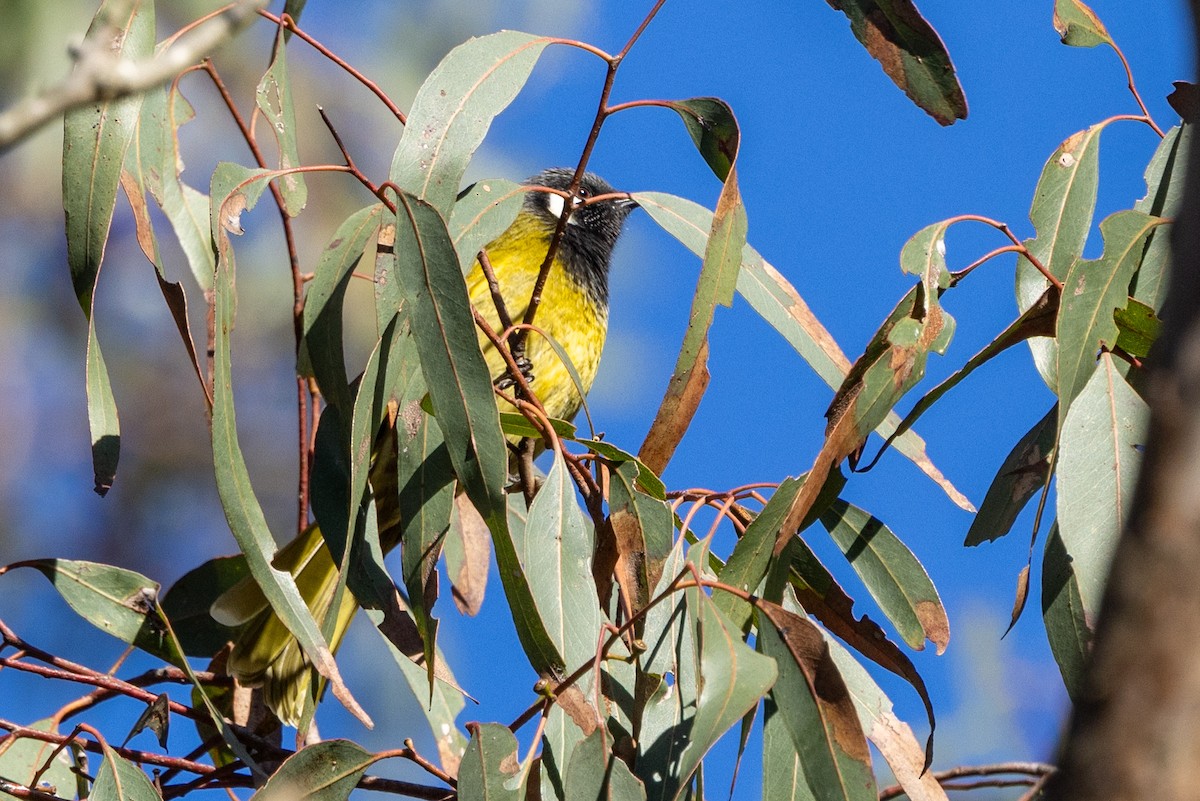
(837, 170)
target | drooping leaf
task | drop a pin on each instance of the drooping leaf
(117, 601)
(713, 129)
(95, 138)
(118, 779)
(189, 599)
(460, 387)
(1067, 625)
(891, 735)
(777, 301)
(1078, 25)
(490, 762)
(824, 599)
(483, 211)
(643, 527)
(1137, 328)
(172, 292)
(891, 573)
(468, 552)
(717, 139)
(274, 99)
(556, 548)
(816, 707)
(1024, 471)
(1061, 213)
(1164, 191)
(455, 107)
(321, 353)
(186, 208)
(325, 771)
(910, 52)
(1097, 467)
(234, 190)
(1092, 291)
(156, 717)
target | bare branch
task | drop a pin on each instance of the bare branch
(101, 75)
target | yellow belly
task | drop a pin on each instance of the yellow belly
(566, 314)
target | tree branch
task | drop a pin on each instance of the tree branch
(101, 75)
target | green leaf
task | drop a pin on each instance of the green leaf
(1061, 213)
(234, 190)
(783, 772)
(24, 757)
(713, 129)
(95, 138)
(435, 293)
(777, 302)
(490, 762)
(484, 210)
(321, 353)
(1164, 193)
(1024, 471)
(118, 779)
(514, 424)
(924, 255)
(1078, 25)
(187, 603)
(729, 679)
(646, 479)
(748, 564)
(1092, 291)
(1137, 328)
(1067, 626)
(117, 601)
(816, 707)
(891, 573)
(596, 775)
(325, 771)
(556, 549)
(1097, 467)
(911, 53)
(274, 99)
(455, 107)
(715, 286)
(186, 208)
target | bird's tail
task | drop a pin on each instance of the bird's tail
(265, 653)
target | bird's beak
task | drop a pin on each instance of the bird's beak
(627, 204)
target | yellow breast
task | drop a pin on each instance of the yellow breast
(567, 314)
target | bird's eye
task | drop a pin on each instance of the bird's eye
(583, 192)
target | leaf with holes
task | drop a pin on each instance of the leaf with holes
(1078, 25)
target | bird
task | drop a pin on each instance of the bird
(573, 312)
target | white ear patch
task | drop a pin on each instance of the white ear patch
(555, 204)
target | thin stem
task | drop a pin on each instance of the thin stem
(289, 23)
(1031, 770)
(1136, 95)
(1019, 245)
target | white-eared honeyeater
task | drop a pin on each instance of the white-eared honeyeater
(573, 312)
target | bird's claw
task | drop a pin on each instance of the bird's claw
(506, 381)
